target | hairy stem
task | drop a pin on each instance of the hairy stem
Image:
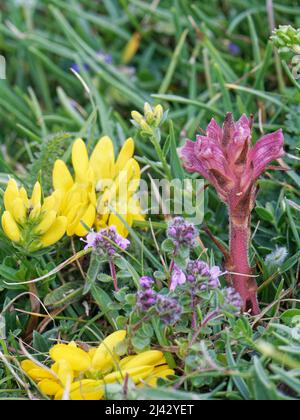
(239, 264)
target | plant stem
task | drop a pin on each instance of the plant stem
(243, 283)
(113, 274)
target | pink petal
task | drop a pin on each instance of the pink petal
(266, 150)
(190, 160)
(214, 131)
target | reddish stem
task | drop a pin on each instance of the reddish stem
(239, 263)
(114, 275)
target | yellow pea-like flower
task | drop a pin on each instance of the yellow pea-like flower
(101, 186)
(83, 375)
(10, 227)
(32, 223)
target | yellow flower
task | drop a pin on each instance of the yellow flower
(116, 184)
(83, 375)
(32, 223)
(78, 204)
(102, 187)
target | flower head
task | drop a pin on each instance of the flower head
(106, 242)
(168, 309)
(146, 282)
(287, 38)
(102, 188)
(146, 299)
(226, 158)
(151, 120)
(83, 375)
(233, 299)
(201, 275)
(33, 223)
(182, 232)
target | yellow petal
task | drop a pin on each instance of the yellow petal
(88, 219)
(24, 196)
(11, 193)
(38, 374)
(103, 159)
(154, 377)
(131, 48)
(114, 220)
(105, 352)
(124, 361)
(36, 197)
(88, 389)
(137, 374)
(147, 358)
(92, 352)
(52, 202)
(55, 233)
(65, 372)
(48, 220)
(62, 179)
(125, 155)
(78, 359)
(50, 388)
(10, 227)
(28, 365)
(19, 210)
(133, 176)
(80, 160)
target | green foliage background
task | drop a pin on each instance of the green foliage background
(185, 63)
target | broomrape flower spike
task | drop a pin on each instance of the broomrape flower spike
(83, 375)
(101, 189)
(32, 223)
(227, 159)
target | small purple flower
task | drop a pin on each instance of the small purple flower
(106, 242)
(197, 269)
(200, 272)
(182, 233)
(146, 299)
(106, 58)
(234, 49)
(168, 309)
(232, 298)
(146, 282)
(178, 277)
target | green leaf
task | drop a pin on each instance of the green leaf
(66, 294)
(105, 304)
(288, 316)
(264, 214)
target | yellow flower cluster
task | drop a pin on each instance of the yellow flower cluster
(102, 188)
(83, 375)
(100, 194)
(32, 223)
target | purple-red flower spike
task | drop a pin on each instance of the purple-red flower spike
(229, 161)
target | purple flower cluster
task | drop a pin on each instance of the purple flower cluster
(168, 309)
(182, 233)
(146, 297)
(106, 242)
(199, 271)
(233, 298)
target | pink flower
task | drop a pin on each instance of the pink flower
(229, 161)
(226, 157)
(178, 277)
